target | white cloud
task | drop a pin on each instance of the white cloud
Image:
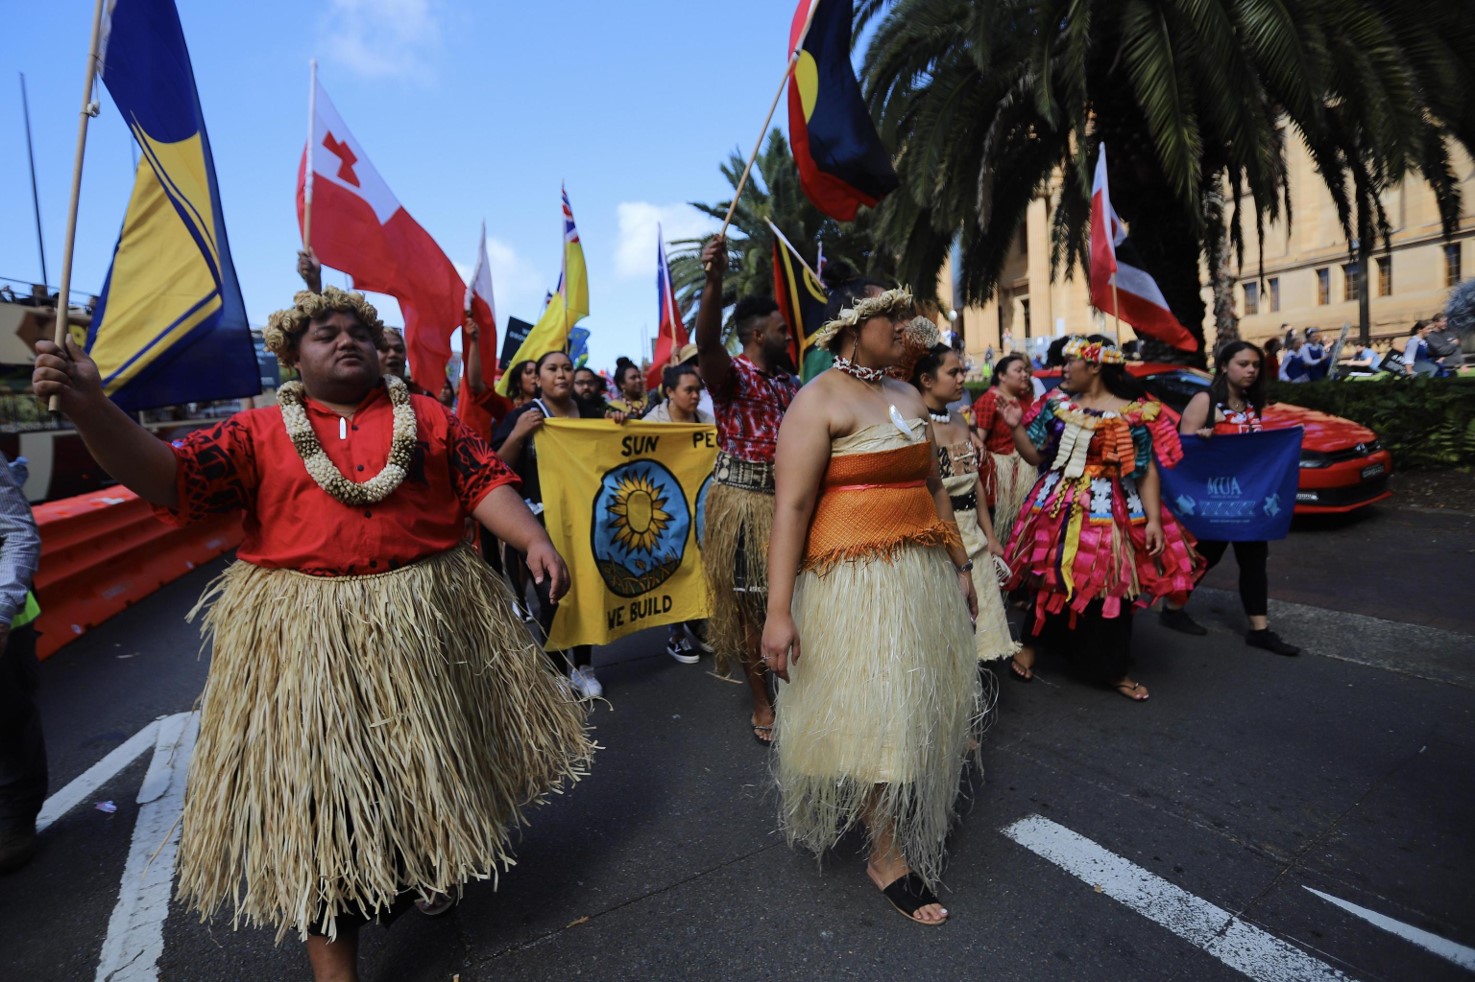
(635, 250)
(381, 38)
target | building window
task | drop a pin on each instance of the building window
(1272, 286)
(1452, 274)
(1252, 298)
(1351, 282)
(1385, 276)
(1323, 286)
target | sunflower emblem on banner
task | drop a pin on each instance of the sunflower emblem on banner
(641, 523)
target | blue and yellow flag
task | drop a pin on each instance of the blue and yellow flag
(625, 506)
(170, 326)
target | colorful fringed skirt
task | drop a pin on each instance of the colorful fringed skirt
(363, 736)
(884, 706)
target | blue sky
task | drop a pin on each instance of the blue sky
(468, 110)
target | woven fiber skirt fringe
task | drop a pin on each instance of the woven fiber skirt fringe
(991, 634)
(362, 736)
(884, 708)
(1013, 478)
(739, 523)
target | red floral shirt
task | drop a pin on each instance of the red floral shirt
(997, 438)
(248, 463)
(749, 409)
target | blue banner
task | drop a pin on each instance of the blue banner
(1236, 488)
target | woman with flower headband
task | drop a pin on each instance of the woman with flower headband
(375, 719)
(869, 616)
(1093, 540)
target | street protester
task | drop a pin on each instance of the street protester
(630, 382)
(23, 772)
(869, 617)
(1006, 476)
(524, 386)
(681, 390)
(938, 376)
(1094, 539)
(393, 358)
(516, 443)
(481, 407)
(589, 392)
(750, 393)
(375, 720)
(1232, 405)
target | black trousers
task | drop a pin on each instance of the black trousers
(23, 776)
(1099, 648)
(1254, 583)
(579, 656)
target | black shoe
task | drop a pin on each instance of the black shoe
(1179, 620)
(1271, 642)
(16, 849)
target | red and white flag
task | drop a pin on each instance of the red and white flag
(359, 227)
(1135, 297)
(483, 310)
(671, 337)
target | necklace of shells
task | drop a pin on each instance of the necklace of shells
(326, 473)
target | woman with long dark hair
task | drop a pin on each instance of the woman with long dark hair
(1233, 405)
(1006, 476)
(523, 388)
(1094, 540)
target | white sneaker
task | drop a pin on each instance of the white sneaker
(680, 649)
(586, 686)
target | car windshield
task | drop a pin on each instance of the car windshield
(1175, 388)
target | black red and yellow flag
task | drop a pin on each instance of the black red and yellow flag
(801, 299)
(842, 164)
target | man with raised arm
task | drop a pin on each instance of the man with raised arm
(750, 393)
(376, 719)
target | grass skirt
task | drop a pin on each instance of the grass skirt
(885, 702)
(991, 636)
(736, 519)
(1012, 478)
(365, 735)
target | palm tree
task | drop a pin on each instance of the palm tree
(773, 194)
(990, 104)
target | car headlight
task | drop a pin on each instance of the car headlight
(1315, 458)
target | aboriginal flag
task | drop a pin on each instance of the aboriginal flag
(842, 164)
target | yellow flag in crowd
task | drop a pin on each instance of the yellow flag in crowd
(625, 507)
(568, 305)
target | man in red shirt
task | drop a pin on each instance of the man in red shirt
(375, 718)
(750, 394)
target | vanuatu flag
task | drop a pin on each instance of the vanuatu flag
(801, 299)
(842, 164)
(170, 326)
(625, 507)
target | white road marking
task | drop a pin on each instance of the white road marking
(135, 938)
(1243, 947)
(1448, 950)
(97, 775)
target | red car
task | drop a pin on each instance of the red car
(1343, 465)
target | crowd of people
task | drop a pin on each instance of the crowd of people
(865, 540)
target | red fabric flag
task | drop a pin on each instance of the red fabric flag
(481, 413)
(1136, 297)
(672, 336)
(359, 226)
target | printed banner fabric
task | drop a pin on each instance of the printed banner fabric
(1237, 487)
(625, 507)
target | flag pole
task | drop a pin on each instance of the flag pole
(790, 246)
(63, 307)
(312, 108)
(1116, 315)
(25, 105)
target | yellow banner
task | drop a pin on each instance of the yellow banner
(625, 507)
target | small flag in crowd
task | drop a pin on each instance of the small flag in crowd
(482, 309)
(567, 305)
(801, 300)
(1136, 298)
(842, 164)
(671, 337)
(170, 325)
(359, 226)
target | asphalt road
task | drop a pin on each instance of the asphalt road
(1246, 782)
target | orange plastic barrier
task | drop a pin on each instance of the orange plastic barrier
(105, 550)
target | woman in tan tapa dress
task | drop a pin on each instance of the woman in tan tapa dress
(869, 617)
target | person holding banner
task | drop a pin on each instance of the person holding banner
(1094, 541)
(376, 719)
(869, 616)
(750, 393)
(1232, 406)
(1006, 476)
(938, 375)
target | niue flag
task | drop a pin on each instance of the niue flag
(842, 164)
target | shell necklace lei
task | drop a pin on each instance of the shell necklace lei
(325, 472)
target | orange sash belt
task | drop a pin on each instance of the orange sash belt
(895, 509)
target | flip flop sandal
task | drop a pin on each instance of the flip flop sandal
(909, 894)
(1131, 691)
(766, 729)
(1019, 672)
